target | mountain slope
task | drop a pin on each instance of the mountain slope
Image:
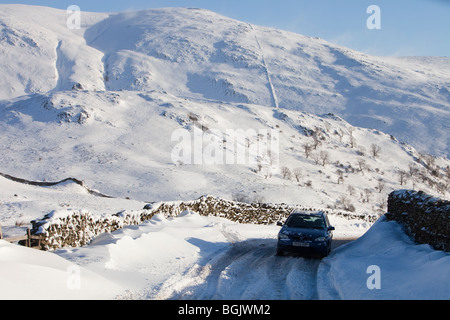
(127, 144)
(199, 54)
(40, 54)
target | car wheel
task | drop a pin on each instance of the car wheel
(328, 250)
(279, 253)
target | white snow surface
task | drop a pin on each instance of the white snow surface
(407, 270)
(100, 104)
(195, 53)
(201, 258)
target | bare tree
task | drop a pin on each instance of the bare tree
(351, 190)
(307, 148)
(286, 173)
(430, 161)
(315, 157)
(325, 157)
(298, 174)
(345, 204)
(316, 140)
(381, 185)
(368, 193)
(402, 176)
(382, 205)
(340, 174)
(271, 155)
(339, 133)
(362, 165)
(375, 149)
(352, 139)
(413, 169)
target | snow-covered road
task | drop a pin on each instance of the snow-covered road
(192, 257)
(248, 271)
(205, 258)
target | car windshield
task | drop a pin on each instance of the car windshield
(305, 221)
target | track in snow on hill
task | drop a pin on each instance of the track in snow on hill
(269, 80)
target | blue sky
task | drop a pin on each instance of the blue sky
(408, 27)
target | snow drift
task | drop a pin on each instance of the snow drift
(407, 271)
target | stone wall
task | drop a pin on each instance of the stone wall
(74, 229)
(424, 218)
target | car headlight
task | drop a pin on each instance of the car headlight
(322, 239)
(283, 236)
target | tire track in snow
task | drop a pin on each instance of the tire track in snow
(248, 270)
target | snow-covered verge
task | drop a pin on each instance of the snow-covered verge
(31, 274)
(385, 264)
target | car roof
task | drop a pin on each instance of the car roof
(308, 213)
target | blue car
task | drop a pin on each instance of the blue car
(305, 233)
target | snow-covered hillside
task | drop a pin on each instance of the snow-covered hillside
(123, 144)
(195, 53)
(102, 103)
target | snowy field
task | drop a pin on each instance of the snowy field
(202, 258)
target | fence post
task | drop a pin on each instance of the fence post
(39, 242)
(28, 238)
(83, 225)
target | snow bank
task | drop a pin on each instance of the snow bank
(385, 257)
(32, 274)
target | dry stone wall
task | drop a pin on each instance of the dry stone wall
(74, 229)
(425, 218)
